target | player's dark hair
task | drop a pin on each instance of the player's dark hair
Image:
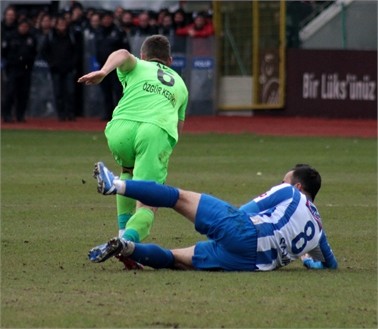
(308, 177)
(157, 47)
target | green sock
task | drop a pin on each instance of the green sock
(125, 206)
(139, 225)
(131, 235)
(122, 220)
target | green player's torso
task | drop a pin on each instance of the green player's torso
(154, 93)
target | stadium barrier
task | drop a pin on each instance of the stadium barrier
(41, 99)
(193, 59)
(320, 83)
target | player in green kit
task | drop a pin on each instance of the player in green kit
(145, 125)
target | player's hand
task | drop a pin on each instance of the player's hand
(309, 263)
(93, 78)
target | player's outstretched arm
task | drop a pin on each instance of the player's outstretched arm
(121, 59)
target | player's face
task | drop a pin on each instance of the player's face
(289, 180)
(288, 177)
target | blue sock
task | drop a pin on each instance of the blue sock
(152, 255)
(151, 193)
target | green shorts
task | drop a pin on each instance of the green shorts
(144, 147)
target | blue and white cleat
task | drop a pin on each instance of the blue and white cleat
(104, 179)
(104, 251)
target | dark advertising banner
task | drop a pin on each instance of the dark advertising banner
(331, 83)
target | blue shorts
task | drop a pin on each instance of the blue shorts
(232, 237)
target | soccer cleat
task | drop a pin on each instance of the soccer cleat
(104, 179)
(129, 263)
(104, 251)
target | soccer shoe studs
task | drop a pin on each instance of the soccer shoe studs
(104, 179)
(104, 251)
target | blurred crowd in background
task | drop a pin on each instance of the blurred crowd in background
(60, 38)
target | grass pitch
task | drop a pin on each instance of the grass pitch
(51, 215)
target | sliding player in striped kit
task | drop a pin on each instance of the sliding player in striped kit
(267, 233)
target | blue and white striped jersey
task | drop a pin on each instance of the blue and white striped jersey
(288, 226)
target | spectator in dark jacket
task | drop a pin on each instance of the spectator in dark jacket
(166, 28)
(60, 51)
(117, 15)
(127, 23)
(8, 25)
(179, 19)
(108, 39)
(144, 27)
(18, 52)
(9, 22)
(77, 25)
(43, 29)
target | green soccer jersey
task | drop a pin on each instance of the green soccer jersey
(153, 93)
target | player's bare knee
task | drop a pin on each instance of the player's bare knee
(183, 258)
(188, 196)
